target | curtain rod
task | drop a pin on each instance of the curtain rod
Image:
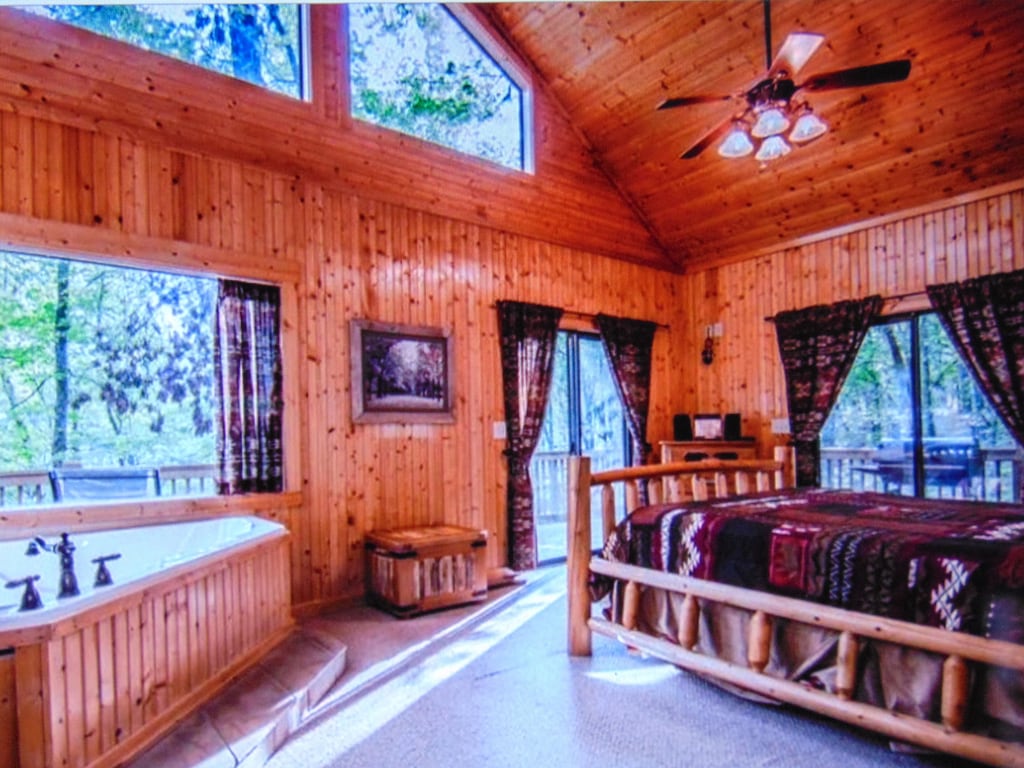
(588, 316)
(894, 298)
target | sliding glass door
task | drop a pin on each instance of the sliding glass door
(584, 417)
(911, 420)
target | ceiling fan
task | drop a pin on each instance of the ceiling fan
(769, 109)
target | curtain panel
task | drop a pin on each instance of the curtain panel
(818, 346)
(527, 334)
(247, 372)
(984, 317)
(627, 345)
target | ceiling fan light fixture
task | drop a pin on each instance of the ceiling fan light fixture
(807, 128)
(736, 144)
(772, 148)
(770, 122)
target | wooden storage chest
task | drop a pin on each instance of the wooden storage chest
(412, 570)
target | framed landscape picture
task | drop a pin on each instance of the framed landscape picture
(400, 373)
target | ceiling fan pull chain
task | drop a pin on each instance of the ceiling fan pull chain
(767, 34)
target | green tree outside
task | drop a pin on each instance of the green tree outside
(125, 378)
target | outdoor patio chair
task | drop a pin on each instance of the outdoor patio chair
(112, 484)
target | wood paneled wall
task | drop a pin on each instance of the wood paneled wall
(97, 687)
(390, 263)
(61, 73)
(342, 255)
(977, 235)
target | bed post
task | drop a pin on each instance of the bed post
(578, 559)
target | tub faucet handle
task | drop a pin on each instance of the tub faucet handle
(37, 545)
(30, 600)
(103, 578)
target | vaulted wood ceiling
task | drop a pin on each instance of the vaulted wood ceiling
(956, 125)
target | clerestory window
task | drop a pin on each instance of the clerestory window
(261, 44)
(415, 68)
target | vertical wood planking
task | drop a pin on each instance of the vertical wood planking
(104, 676)
(8, 712)
(985, 236)
(362, 257)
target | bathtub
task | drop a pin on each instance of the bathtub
(91, 680)
(147, 554)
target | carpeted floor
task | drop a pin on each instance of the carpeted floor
(507, 694)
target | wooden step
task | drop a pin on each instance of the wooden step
(243, 725)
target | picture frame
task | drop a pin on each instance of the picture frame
(401, 373)
(707, 426)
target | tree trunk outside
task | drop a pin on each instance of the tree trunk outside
(62, 326)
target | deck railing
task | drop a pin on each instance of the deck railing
(999, 478)
(549, 472)
(32, 488)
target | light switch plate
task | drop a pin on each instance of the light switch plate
(498, 430)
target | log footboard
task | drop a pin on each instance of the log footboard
(959, 650)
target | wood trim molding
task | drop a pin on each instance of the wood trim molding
(46, 237)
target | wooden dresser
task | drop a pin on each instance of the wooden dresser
(676, 450)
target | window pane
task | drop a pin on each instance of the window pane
(415, 69)
(549, 469)
(104, 367)
(261, 44)
(603, 433)
(867, 442)
(967, 449)
(554, 435)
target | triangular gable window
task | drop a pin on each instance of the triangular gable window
(415, 68)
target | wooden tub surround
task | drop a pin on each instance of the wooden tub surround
(95, 686)
(765, 612)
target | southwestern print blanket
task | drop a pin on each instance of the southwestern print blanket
(936, 562)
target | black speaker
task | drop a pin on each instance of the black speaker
(732, 426)
(682, 429)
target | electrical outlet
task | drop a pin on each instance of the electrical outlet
(498, 430)
(780, 426)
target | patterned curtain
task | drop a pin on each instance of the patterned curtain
(527, 333)
(818, 346)
(985, 319)
(627, 345)
(247, 369)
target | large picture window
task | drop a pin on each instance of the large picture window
(911, 420)
(108, 385)
(259, 43)
(414, 68)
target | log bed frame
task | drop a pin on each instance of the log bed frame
(666, 482)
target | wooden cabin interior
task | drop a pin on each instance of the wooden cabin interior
(118, 155)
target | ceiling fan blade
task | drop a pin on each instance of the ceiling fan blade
(685, 101)
(794, 53)
(872, 74)
(709, 138)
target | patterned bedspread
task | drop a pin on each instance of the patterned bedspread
(938, 562)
